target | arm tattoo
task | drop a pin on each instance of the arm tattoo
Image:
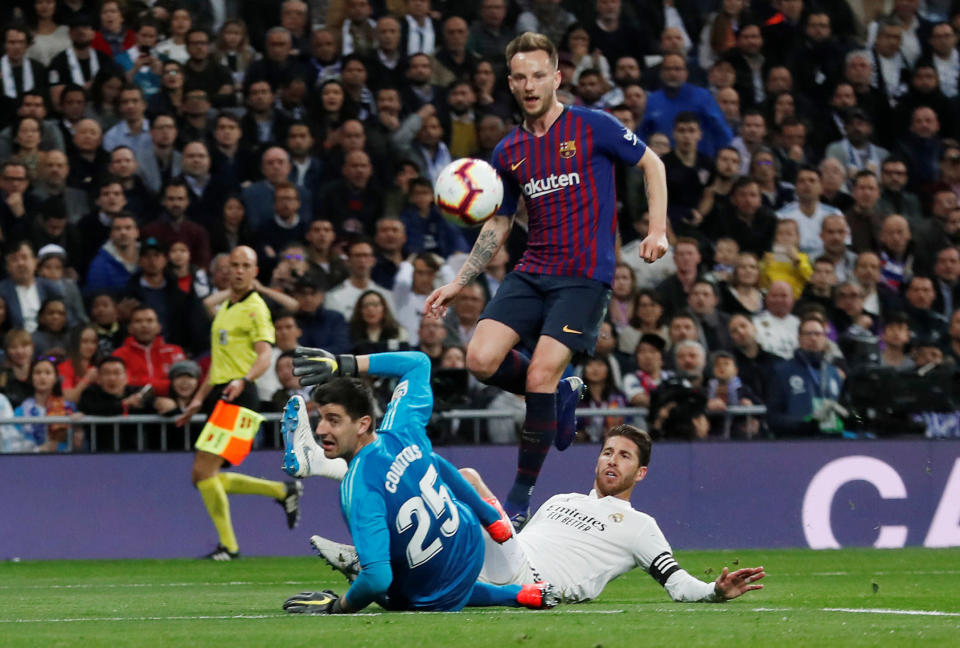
(483, 250)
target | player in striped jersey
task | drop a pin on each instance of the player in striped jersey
(560, 161)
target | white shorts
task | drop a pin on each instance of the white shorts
(507, 563)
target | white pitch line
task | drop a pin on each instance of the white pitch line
(280, 616)
(136, 585)
(937, 613)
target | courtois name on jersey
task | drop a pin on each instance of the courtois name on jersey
(566, 178)
(399, 509)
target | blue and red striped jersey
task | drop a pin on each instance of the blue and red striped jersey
(566, 178)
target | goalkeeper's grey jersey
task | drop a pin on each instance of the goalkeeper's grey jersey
(579, 543)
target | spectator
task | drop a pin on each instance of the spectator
(232, 229)
(774, 193)
(116, 260)
(848, 309)
(726, 390)
(373, 328)
(141, 65)
(104, 314)
(426, 229)
(855, 151)
(755, 365)
(50, 338)
(894, 197)
(113, 396)
(352, 202)
(79, 370)
(202, 72)
(834, 185)
(22, 291)
(819, 288)
(804, 390)
(15, 374)
(321, 255)
(786, 263)
(231, 163)
(678, 404)
(673, 290)
(808, 211)
(864, 218)
(360, 261)
(46, 400)
(896, 340)
(925, 322)
(834, 234)
(746, 220)
(777, 326)
(289, 383)
(946, 280)
(741, 293)
(702, 301)
(461, 319)
(678, 96)
(640, 384)
(683, 326)
(896, 251)
(145, 354)
(942, 56)
(687, 173)
(123, 167)
(161, 162)
(921, 147)
(749, 140)
(53, 171)
(24, 74)
(184, 377)
(321, 327)
(286, 226)
(288, 335)
(88, 161)
(207, 192)
(134, 130)
(16, 202)
(172, 224)
(389, 240)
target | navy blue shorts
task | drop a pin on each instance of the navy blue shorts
(568, 309)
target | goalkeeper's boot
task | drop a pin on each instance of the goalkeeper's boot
(342, 557)
(291, 502)
(538, 596)
(300, 447)
(569, 392)
(311, 602)
(222, 554)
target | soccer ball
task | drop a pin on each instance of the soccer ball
(468, 192)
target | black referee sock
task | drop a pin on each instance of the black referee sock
(539, 429)
(511, 375)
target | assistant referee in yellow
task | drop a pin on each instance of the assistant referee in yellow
(242, 336)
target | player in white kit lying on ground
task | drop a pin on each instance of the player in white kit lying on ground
(576, 542)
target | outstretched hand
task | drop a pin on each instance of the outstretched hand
(653, 247)
(439, 299)
(730, 585)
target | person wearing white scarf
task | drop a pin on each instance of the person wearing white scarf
(15, 56)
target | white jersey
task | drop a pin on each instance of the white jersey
(579, 543)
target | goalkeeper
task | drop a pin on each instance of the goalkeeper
(411, 513)
(577, 542)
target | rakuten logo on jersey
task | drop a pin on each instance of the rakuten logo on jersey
(553, 182)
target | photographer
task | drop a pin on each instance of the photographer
(678, 405)
(802, 400)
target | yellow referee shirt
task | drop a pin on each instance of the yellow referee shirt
(236, 327)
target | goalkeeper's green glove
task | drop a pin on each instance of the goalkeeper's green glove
(317, 366)
(324, 602)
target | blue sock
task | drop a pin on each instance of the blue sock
(511, 375)
(486, 595)
(539, 429)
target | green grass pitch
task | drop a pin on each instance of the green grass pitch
(860, 597)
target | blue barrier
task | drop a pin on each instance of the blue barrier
(704, 495)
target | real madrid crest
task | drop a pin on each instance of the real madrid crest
(568, 149)
(616, 517)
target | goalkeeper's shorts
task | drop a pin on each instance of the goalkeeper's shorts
(229, 432)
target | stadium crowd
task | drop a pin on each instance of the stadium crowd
(812, 159)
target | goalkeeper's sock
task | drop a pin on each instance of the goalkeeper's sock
(486, 595)
(511, 375)
(218, 507)
(539, 429)
(240, 484)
